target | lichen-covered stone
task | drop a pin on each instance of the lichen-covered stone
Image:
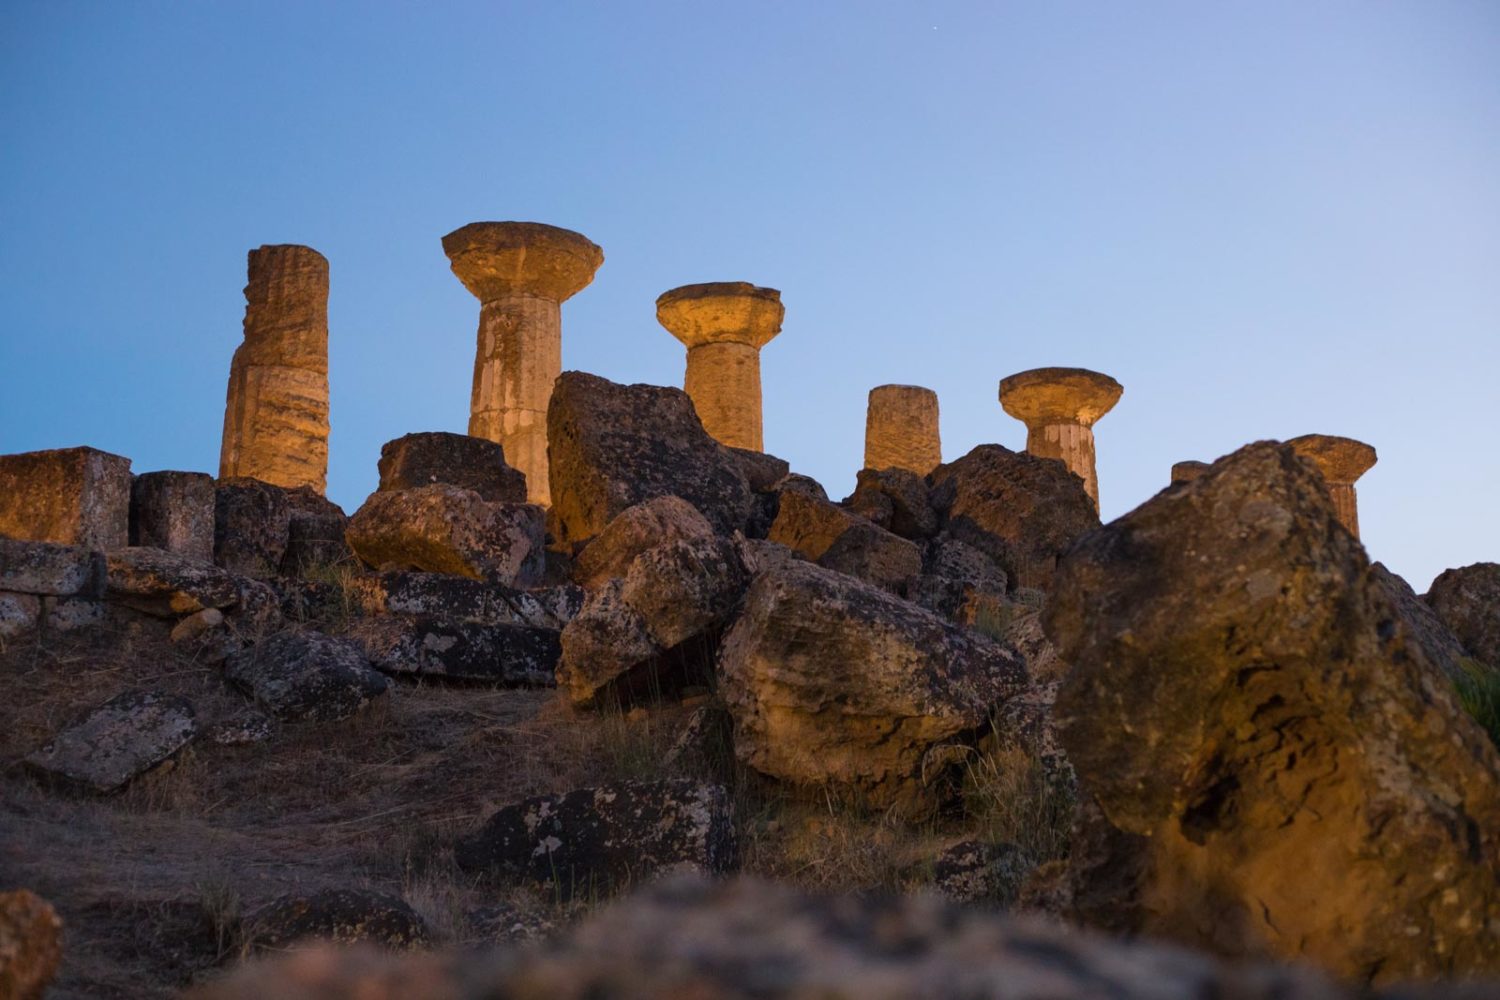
(165, 584)
(446, 529)
(1277, 766)
(71, 496)
(66, 614)
(503, 923)
(252, 523)
(833, 537)
(471, 463)
(1443, 648)
(958, 581)
(613, 446)
(30, 945)
(341, 916)
(434, 646)
(49, 569)
(1020, 510)
(761, 471)
(606, 641)
(242, 728)
(834, 683)
(276, 407)
(174, 511)
(315, 533)
(636, 529)
(1468, 602)
(19, 613)
(307, 675)
(596, 841)
(895, 499)
(125, 737)
(975, 871)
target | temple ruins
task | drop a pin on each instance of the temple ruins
(1341, 460)
(901, 429)
(1060, 407)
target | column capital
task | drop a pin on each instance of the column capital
(499, 259)
(1339, 459)
(1059, 396)
(734, 312)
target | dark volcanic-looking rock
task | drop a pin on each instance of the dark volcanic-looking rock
(123, 738)
(600, 840)
(252, 521)
(636, 529)
(613, 446)
(448, 529)
(315, 532)
(1020, 510)
(166, 584)
(835, 683)
(958, 581)
(72, 496)
(30, 945)
(762, 472)
(1468, 602)
(469, 463)
(307, 675)
(751, 940)
(50, 569)
(342, 916)
(895, 499)
(434, 646)
(410, 593)
(174, 511)
(1278, 767)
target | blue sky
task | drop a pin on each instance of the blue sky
(1265, 219)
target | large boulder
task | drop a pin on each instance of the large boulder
(174, 511)
(958, 581)
(897, 500)
(596, 841)
(633, 531)
(30, 945)
(1274, 764)
(315, 532)
(252, 522)
(72, 496)
(1468, 602)
(833, 537)
(307, 675)
(453, 649)
(741, 939)
(1429, 631)
(448, 529)
(165, 584)
(132, 733)
(834, 683)
(657, 627)
(613, 446)
(1020, 510)
(470, 463)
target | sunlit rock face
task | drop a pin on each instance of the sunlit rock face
(1059, 407)
(521, 273)
(72, 496)
(724, 325)
(276, 413)
(1273, 762)
(901, 429)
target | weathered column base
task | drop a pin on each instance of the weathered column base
(1345, 505)
(518, 360)
(522, 434)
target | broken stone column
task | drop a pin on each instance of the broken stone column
(724, 325)
(1060, 407)
(1341, 460)
(521, 272)
(276, 415)
(1186, 472)
(901, 429)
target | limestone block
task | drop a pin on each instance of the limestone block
(901, 429)
(473, 463)
(73, 496)
(50, 569)
(276, 412)
(174, 511)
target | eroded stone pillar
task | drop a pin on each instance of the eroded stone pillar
(901, 429)
(724, 325)
(276, 414)
(1341, 460)
(1186, 472)
(1060, 407)
(521, 272)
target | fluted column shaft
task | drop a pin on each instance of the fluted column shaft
(723, 380)
(901, 429)
(1073, 444)
(519, 357)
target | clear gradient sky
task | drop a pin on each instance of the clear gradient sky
(1264, 218)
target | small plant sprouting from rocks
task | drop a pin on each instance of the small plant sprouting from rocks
(1479, 693)
(1013, 799)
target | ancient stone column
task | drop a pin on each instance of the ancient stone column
(901, 429)
(724, 325)
(521, 272)
(1186, 472)
(1341, 460)
(1060, 407)
(276, 414)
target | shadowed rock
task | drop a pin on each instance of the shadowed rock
(342, 916)
(596, 841)
(454, 459)
(1277, 765)
(833, 537)
(252, 525)
(50, 569)
(1468, 602)
(452, 649)
(166, 584)
(1186, 472)
(636, 529)
(447, 529)
(30, 945)
(71, 496)
(307, 675)
(174, 511)
(127, 736)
